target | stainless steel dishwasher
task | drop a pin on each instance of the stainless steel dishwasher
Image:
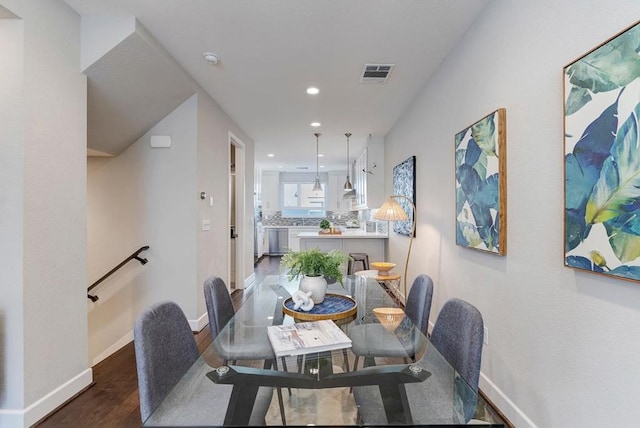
(278, 241)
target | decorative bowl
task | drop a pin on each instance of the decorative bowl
(390, 318)
(383, 267)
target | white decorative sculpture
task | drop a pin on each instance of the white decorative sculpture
(302, 300)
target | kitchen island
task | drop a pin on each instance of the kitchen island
(349, 241)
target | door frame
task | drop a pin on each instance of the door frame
(240, 192)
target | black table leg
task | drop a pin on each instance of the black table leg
(238, 413)
(396, 405)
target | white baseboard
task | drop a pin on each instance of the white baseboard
(250, 280)
(195, 325)
(124, 340)
(502, 402)
(41, 408)
(200, 323)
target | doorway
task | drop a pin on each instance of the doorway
(237, 226)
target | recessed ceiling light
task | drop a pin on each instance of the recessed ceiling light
(321, 166)
(270, 155)
(280, 166)
(315, 124)
(312, 91)
(320, 155)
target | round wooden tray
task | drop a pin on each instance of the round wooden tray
(334, 307)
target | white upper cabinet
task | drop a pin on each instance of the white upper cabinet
(335, 202)
(368, 176)
(270, 190)
(257, 184)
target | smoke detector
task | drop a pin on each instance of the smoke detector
(376, 73)
(211, 57)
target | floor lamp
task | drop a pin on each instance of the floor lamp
(392, 211)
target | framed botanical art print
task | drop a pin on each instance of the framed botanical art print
(602, 158)
(404, 183)
(481, 184)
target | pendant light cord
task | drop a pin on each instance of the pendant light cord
(317, 187)
(347, 185)
(348, 135)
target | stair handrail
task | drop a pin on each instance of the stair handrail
(133, 256)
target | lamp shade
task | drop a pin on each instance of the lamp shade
(317, 187)
(391, 211)
(347, 185)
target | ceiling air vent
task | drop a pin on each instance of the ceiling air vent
(302, 167)
(376, 73)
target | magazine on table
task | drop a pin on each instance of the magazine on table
(306, 337)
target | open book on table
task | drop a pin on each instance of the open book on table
(306, 337)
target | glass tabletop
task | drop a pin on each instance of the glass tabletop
(413, 385)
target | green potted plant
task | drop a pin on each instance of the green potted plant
(315, 269)
(325, 224)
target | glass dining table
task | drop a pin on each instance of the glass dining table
(319, 388)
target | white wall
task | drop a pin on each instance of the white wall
(563, 345)
(11, 213)
(47, 245)
(144, 196)
(214, 126)
(148, 196)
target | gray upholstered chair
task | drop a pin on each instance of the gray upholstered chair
(165, 352)
(253, 347)
(457, 337)
(220, 311)
(165, 349)
(373, 340)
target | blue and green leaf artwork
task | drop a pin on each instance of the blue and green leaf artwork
(602, 159)
(481, 184)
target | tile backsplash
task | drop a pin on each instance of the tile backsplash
(274, 218)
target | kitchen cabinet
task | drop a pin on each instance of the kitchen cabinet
(257, 184)
(368, 176)
(373, 245)
(294, 241)
(335, 187)
(261, 248)
(265, 241)
(270, 191)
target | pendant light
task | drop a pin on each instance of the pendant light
(317, 187)
(347, 184)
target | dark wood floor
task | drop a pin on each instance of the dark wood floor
(113, 400)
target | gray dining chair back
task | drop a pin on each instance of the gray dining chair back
(458, 335)
(219, 304)
(165, 350)
(220, 311)
(418, 305)
(372, 340)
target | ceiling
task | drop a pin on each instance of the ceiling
(271, 51)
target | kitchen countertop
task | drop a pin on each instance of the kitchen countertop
(290, 227)
(354, 233)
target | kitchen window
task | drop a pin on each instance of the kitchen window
(299, 200)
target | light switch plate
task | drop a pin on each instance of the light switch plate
(206, 225)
